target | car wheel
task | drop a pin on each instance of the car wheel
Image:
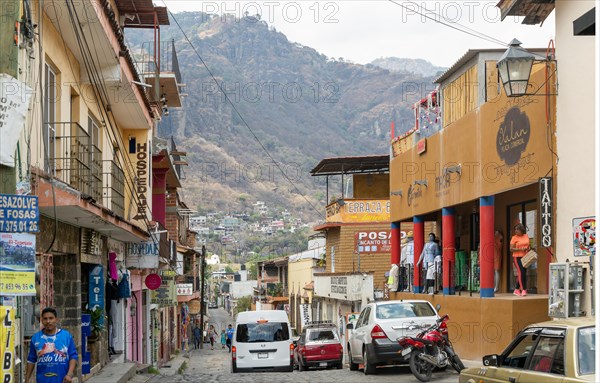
(353, 366)
(369, 369)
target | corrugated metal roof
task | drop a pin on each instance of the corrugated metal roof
(142, 12)
(350, 165)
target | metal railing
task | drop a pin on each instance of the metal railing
(114, 187)
(76, 161)
(149, 61)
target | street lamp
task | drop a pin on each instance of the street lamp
(515, 68)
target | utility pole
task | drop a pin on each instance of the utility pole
(202, 263)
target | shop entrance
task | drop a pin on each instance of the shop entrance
(525, 213)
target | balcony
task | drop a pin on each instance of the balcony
(358, 210)
(74, 159)
(158, 66)
(114, 187)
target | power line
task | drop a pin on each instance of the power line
(240, 115)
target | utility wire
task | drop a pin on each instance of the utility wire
(235, 109)
(448, 23)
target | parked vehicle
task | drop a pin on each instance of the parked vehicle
(373, 341)
(430, 349)
(319, 346)
(561, 351)
(262, 341)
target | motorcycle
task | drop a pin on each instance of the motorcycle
(430, 349)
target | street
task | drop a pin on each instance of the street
(208, 365)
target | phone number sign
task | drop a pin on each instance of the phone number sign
(19, 214)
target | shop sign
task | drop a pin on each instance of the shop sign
(7, 345)
(19, 214)
(305, 314)
(513, 136)
(17, 264)
(91, 242)
(96, 290)
(194, 306)
(143, 255)
(153, 281)
(141, 184)
(165, 295)
(185, 289)
(349, 287)
(546, 210)
(373, 241)
(15, 97)
(86, 330)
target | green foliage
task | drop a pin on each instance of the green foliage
(182, 368)
(243, 304)
(153, 370)
(228, 269)
(252, 271)
(96, 323)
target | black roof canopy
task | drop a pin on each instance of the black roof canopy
(352, 165)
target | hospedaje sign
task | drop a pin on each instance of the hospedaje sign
(142, 255)
(19, 214)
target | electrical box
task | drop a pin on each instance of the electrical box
(566, 290)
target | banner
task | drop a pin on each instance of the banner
(96, 291)
(373, 241)
(305, 314)
(14, 103)
(7, 343)
(17, 264)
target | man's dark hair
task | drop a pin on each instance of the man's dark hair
(50, 310)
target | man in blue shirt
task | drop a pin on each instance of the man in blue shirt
(229, 336)
(53, 350)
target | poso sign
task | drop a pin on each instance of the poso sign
(374, 241)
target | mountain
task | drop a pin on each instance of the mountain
(406, 65)
(300, 104)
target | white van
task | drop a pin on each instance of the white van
(262, 341)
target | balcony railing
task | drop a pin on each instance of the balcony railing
(150, 61)
(114, 187)
(75, 160)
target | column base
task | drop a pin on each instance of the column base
(487, 292)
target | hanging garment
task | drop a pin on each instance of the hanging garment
(124, 288)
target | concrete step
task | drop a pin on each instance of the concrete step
(115, 373)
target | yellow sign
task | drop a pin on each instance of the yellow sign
(7, 343)
(354, 210)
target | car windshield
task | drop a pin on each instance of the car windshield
(586, 341)
(322, 335)
(262, 332)
(404, 310)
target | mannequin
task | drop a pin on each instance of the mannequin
(428, 254)
(393, 278)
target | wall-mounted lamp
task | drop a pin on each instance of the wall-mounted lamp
(453, 169)
(515, 66)
(397, 192)
(420, 182)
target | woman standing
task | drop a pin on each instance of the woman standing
(212, 334)
(519, 246)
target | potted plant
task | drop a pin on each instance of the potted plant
(97, 321)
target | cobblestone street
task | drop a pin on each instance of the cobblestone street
(214, 366)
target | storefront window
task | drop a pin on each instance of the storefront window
(525, 213)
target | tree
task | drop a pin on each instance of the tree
(228, 269)
(243, 304)
(252, 271)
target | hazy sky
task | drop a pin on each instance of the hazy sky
(363, 30)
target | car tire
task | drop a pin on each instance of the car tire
(368, 369)
(353, 366)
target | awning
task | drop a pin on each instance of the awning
(278, 299)
(187, 298)
(309, 286)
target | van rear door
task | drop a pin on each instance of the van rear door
(263, 344)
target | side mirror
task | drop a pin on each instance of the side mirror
(490, 360)
(438, 307)
(350, 326)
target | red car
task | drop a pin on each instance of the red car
(319, 346)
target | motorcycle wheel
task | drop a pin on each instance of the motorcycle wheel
(420, 368)
(457, 363)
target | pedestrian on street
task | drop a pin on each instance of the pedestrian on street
(229, 336)
(212, 334)
(223, 339)
(197, 336)
(53, 350)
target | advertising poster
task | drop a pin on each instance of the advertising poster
(374, 241)
(7, 343)
(17, 264)
(584, 236)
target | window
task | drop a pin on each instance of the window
(586, 350)
(322, 335)
(519, 352)
(262, 332)
(548, 355)
(404, 310)
(49, 118)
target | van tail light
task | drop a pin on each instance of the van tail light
(378, 333)
(233, 353)
(444, 328)
(292, 354)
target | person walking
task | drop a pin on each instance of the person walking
(197, 337)
(223, 339)
(519, 246)
(53, 350)
(229, 336)
(212, 335)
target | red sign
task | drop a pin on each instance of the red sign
(422, 146)
(153, 281)
(374, 241)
